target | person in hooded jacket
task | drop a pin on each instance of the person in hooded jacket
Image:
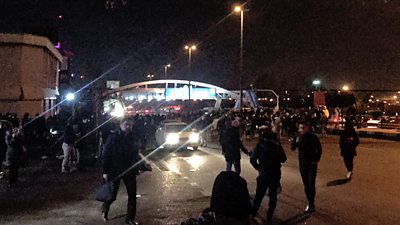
(121, 152)
(232, 144)
(348, 144)
(267, 158)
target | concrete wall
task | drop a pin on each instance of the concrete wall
(28, 73)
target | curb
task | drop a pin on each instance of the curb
(369, 134)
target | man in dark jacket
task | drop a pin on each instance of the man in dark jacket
(15, 149)
(267, 158)
(120, 153)
(310, 151)
(231, 146)
(230, 199)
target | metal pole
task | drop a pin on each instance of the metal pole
(190, 62)
(241, 57)
(166, 84)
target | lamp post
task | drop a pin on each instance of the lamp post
(190, 48)
(316, 83)
(345, 88)
(239, 9)
(165, 77)
(166, 70)
(150, 76)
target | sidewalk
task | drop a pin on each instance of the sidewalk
(378, 133)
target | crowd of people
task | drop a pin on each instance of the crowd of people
(120, 145)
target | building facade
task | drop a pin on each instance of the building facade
(29, 67)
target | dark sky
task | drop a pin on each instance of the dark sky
(287, 42)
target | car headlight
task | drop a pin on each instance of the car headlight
(194, 137)
(172, 139)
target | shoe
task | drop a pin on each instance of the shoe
(310, 209)
(349, 175)
(131, 222)
(104, 215)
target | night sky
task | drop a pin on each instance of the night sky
(288, 43)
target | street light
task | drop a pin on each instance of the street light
(70, 96)
(166, 70)
(316, 83)
(345, 88)
(239, 9)
(150, 76)
(190, 48)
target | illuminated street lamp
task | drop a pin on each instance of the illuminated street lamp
(316, 83)
(70, 97)
(345, 88)
(239, 9)
(190, 48)
(166, 70)
(150, 76)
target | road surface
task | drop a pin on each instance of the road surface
(180, 187)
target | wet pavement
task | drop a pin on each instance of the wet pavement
(179, 187)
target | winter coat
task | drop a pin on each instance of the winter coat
(230, 196)
(310, 149)
(267, 158)
(231, 145)
(14, 149)
(121, 151)
(348, 143)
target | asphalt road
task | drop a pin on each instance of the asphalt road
(179, 187)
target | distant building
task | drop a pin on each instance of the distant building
(29, 67)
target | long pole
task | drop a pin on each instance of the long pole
(166, 84)
(241, 57)
(190, 65)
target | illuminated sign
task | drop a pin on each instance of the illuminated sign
(195, 93)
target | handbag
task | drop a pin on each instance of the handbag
(105, 192)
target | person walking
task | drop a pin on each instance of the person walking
(266, 158)
(348, 144)
(15, 149)
(231, 145)
(121, 152)
(67, 164)
(310, 152)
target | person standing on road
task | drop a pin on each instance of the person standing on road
(310, 152)
(68, 150)
(3, 147)
(121, 152)
(348, 144)
(15, 150)
(267, 158)
(231, 146)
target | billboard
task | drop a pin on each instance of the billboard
(195, 93)
(319, 98)
(112, 84)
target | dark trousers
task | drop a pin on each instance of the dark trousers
(348, 162)
(130, 184)
(308, 173)
(263, 184)
(235, 164)
(3, 150)
(13, 174)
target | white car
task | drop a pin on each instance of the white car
(176, 135)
